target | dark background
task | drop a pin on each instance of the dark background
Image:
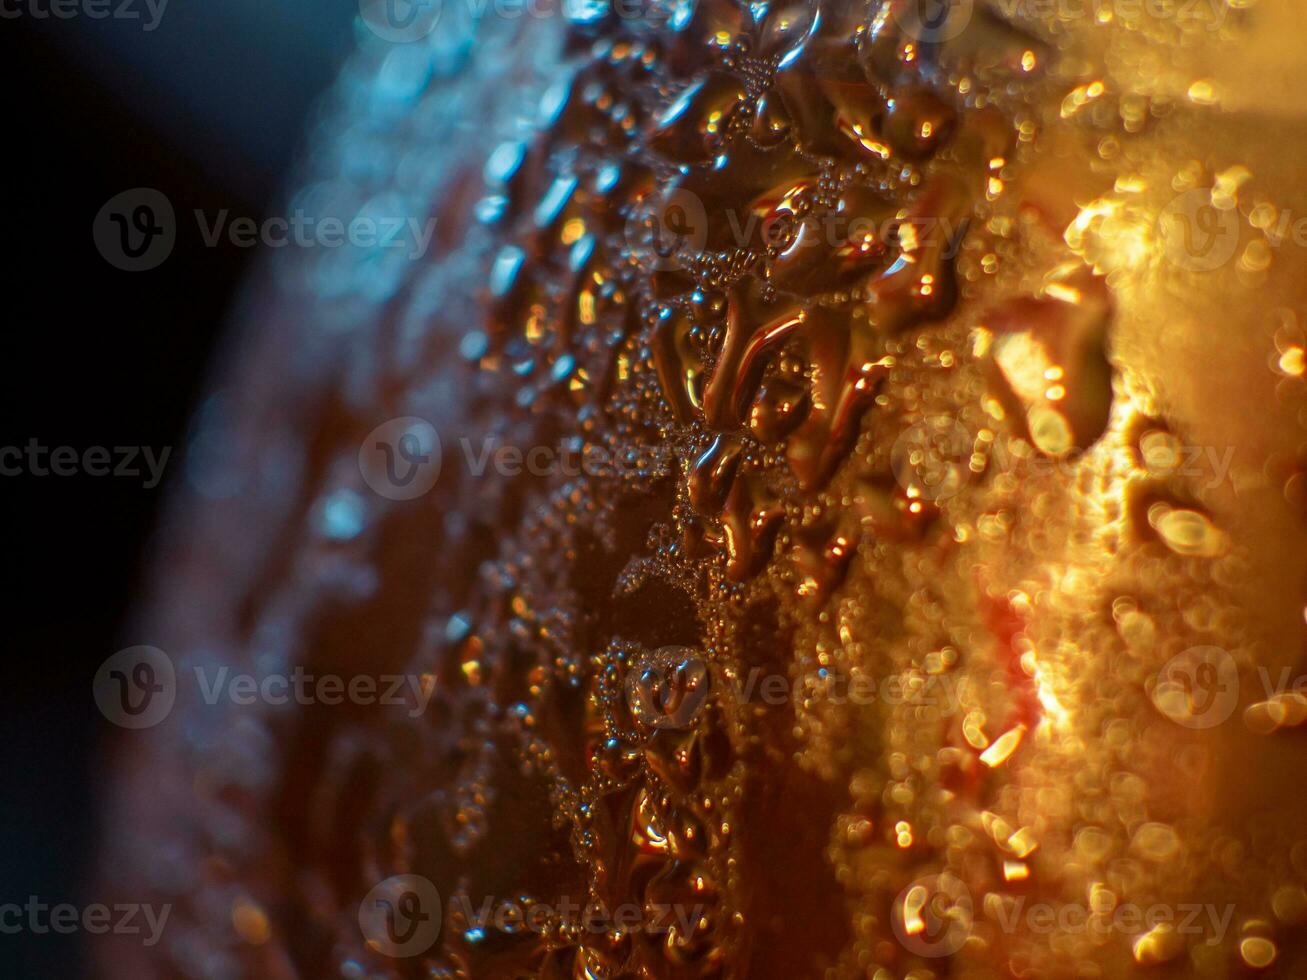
(207, 108)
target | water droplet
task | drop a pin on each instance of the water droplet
(343, 515)
(1187, 532)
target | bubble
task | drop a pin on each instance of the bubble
(1257, 952)
(1290, 904)
(1187, 532)
(342, 515)
(1160, 944)
(1049, 430)
(1156, 841)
